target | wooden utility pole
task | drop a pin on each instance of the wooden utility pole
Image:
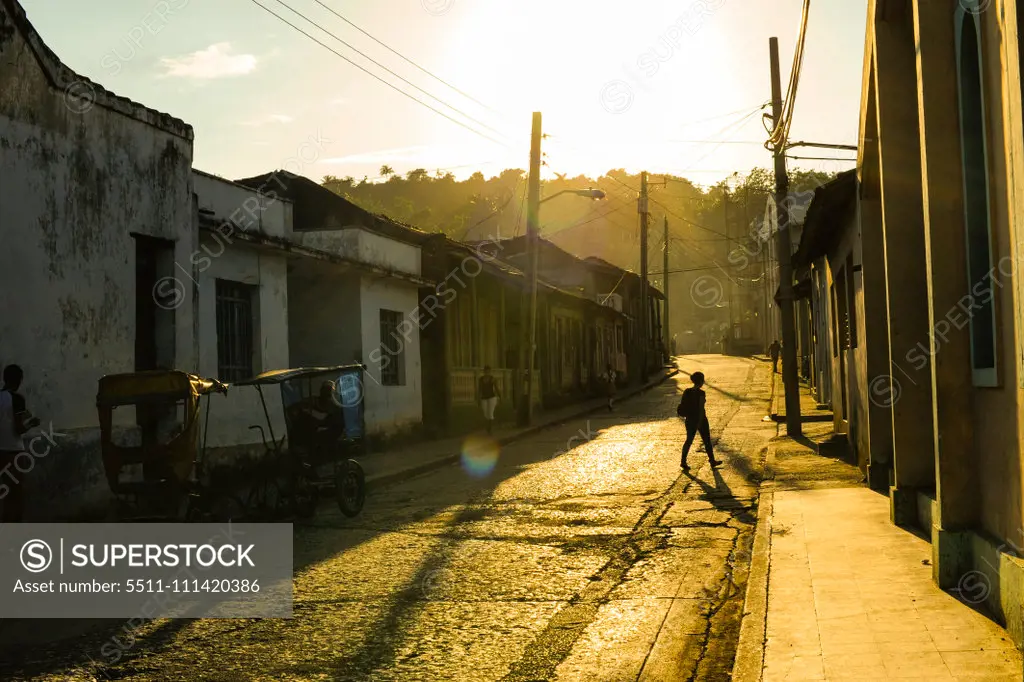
(667, 331)
(785, 255)
(529, 341)
(644, 313)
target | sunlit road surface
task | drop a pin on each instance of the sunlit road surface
(583, 554)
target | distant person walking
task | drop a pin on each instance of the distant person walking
(610, 378)
(487, 393)
(15, 421)
(691, 409)
(774, 351)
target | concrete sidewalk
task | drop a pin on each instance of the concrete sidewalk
(837, 592)
(393, 465)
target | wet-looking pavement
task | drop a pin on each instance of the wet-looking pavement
(584, 553)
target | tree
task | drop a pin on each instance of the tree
(386, 171)
(417, 175)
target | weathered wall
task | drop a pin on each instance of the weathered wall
(390, 408)
(822, 320)
(324, 323)
(242, 206)
(996, 410)
(365, 246)
(231, 415)
(78, 177)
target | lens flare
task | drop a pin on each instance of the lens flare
(479, 455)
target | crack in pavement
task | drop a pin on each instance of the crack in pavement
(553, 645)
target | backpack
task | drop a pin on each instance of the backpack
(688, 404)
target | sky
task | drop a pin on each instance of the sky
(667, 87)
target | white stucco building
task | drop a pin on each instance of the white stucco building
(350, 297)
(95, 212)
(243, 308)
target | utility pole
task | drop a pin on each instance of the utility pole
(644, 316)
(529, 342)
(664, 269)
(730, 300)
(785, 256)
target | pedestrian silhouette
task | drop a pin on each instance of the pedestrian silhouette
(691, 409)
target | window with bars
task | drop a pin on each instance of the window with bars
(236, 325)
(392, 349)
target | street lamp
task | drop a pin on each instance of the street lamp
(589, 193)
(532, 237)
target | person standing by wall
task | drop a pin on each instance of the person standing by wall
(487, 394)
(15, 421)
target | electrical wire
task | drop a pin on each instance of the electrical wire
(744, 110)
(519, 216)
(819, 158)
(385, 68)
(495, 212)
(780, 133)
(400, 55)
(370, 73)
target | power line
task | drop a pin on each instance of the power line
(495, 212)
(515, 232)
(370, 73)
(758, 107)
(736, 125)
(379, 65)
(823, 145)
(780, 134)
(819, 158)
(392, 50)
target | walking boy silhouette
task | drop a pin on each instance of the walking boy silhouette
(691, 409)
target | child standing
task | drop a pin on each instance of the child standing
(691, 409)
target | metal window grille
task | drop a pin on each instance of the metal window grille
(392, 348)
(234, 330)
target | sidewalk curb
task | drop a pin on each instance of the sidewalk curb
(750, 649)
(424, 467)
(773, 405)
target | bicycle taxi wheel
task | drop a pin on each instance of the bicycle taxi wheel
(350, 488)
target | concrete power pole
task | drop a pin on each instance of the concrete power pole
(667, 331)
(529, 344)
(785, 255)
(644, 315)
(730, 298)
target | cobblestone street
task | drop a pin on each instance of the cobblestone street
(585, 554)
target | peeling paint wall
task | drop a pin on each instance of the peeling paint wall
(76, 181)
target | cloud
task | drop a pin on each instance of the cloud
(269, 120)
(215, 61)
(382, 155)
